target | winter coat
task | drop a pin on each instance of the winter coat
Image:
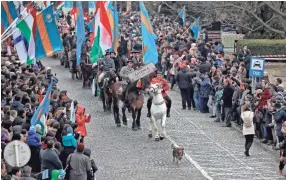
(279, 116)
(33, 138)
(247, 130)
(16, 105)
(227, 96)
(205, 88)
(34, 161)
(183, 79)
(79, 166)
(81, 119)
(266, 94)
(27, 178)
(65, 154)
(50, 160)
(69, 140)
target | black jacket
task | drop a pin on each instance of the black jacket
(227, 96)
(183, 79)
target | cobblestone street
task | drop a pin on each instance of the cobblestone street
(212, 151)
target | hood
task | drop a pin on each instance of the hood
(69, 141)
(80, 110)
(31, 132)
(16, 104)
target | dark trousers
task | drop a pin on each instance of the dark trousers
(185, 97)
(248, 141)
(169, 103)
(191, 91)
(203, 104)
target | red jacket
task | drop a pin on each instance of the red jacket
(165, 85)
(266, 94)
(81, 119)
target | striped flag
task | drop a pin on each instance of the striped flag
(60, 5)
(102, 33)
(113, 19)
(48, 40)
(45, 174)
(39, 115)
(8, 13)
(27, 27)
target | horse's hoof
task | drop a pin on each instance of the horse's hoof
(161, 137)
(125, 123)
(118, 125)
(139, 128)
(134, 128)
(150, 135)
(157, 139)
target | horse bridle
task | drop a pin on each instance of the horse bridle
(156, 90)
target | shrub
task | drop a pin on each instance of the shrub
(263, 46)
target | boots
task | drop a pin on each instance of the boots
(168, 112)
(149, 113)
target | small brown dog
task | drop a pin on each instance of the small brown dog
(178, 153)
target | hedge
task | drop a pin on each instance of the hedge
(263, 46)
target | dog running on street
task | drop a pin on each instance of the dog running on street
(178, 153)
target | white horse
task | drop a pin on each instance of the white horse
(158, 112)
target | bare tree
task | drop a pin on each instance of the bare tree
(252, 17)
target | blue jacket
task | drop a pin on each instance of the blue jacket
(205, 89)
(33, 139)
(279, 117)
(16, 105)
(69, 141)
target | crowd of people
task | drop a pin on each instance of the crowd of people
(57, 148)
(209, 80)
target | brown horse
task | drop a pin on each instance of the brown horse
(106, 94)
(134, 101)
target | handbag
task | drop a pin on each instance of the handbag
(67, 169)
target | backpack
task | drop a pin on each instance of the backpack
(247, 121)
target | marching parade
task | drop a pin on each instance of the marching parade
(118, 90)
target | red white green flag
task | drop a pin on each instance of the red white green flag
(102, 33)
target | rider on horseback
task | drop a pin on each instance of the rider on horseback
(107, 66)
(125, 79)
(165, 87)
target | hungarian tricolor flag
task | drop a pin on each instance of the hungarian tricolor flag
(102, 33)
(60, 5)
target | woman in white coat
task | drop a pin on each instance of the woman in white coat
(248, 127)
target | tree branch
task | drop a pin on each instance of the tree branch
(255, 16)
(275, 10)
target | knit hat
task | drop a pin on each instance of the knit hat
(69, 130)
(87, 152)
(32, 129)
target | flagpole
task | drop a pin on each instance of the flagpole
(6, 37)
(10, 26)
(189, 27)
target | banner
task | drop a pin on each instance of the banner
(140, 73)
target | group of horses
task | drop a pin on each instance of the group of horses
(111, 95)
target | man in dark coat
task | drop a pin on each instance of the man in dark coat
(227, 101)
(183, 80)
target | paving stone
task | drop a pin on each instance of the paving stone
(121, 153)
